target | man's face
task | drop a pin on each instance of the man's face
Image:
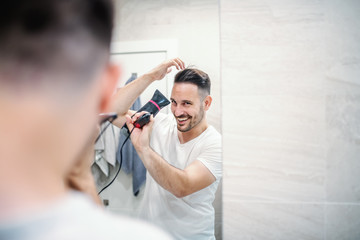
(187, 106)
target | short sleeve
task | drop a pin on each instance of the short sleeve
(211, 154)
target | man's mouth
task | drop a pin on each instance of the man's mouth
(182, 120)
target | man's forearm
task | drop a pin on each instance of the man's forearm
(169, 177)
(126, 96)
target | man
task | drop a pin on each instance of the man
(55, 80)
(182, 154)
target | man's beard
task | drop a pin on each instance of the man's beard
(193, 121)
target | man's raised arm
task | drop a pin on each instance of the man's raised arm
(126, 96)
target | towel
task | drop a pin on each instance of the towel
(105, 148)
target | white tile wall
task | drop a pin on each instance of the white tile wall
(291, 119)
(252, 220)
(342, 222)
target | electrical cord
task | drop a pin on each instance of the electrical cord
(103, 130)
(118, 171)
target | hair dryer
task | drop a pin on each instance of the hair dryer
(157, 102)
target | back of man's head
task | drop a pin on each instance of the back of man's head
(54, 81)
(47, 43)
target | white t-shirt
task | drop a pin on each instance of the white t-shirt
(190, 217)
(74, 218)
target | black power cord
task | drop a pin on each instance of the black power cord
(118, 171)
(110, 117)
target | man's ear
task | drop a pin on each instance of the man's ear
(207, 102)
(110, 79)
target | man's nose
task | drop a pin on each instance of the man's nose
(178, 111)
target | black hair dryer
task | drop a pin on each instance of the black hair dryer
(157, 102)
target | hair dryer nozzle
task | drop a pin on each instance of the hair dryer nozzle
(157, 102)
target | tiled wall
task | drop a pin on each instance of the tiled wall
(290, 72)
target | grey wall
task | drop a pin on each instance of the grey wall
(291, 118)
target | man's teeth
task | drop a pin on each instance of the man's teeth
(182, 119)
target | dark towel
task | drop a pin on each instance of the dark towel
(131, 162)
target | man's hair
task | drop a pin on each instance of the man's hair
(43, 41)
(195, 76)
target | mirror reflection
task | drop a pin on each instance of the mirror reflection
(145, 35)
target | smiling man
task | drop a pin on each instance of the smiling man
(182, 154)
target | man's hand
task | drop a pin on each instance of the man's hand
(164, 68)
(140, 137)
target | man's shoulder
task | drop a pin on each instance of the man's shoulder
(92, 222)
(209, 141)
(75, 216)
(211, 136)
(130, 228)
(164, 121)
(213, 132)
(164, 117)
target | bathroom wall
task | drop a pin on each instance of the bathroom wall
(290, 79)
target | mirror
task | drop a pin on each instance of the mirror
(145, 34)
